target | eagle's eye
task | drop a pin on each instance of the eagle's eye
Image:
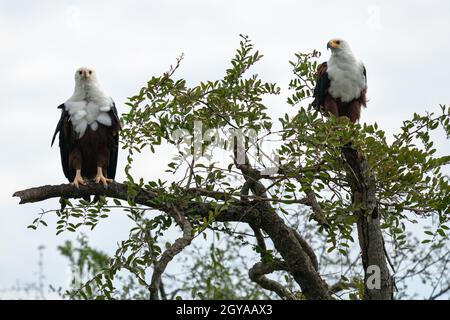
(338, 42)
(80, 72)
(90, 72)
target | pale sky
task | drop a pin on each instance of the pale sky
(404, 45)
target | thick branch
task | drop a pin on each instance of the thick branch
(260, 240)
(119, 191)
(307, 248)
(305, 260)
(370, 236)
(68, 191)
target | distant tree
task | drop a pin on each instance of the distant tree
(34, 289)
(209, 272)
(339, 210)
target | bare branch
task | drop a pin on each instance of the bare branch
(260, 240)
(307, 248)
(317, 209)
(257, 274)
(171, 252)
(440, 293)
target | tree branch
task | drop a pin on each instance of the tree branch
(311, 199)
(68, 191)
(440, 293)
(308, 250)
(370, 237)
(260, 240)
(244, 196)
(257, 274)
(171, 252)
(300, 247)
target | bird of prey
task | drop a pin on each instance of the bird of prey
(88, 132)
(341, 83)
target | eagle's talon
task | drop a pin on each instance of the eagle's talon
(100, 178)
(103, 180)
(78, 180)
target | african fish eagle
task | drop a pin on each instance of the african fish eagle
(341, 83)
(88, 132)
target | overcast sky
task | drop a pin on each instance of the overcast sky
(404, 45)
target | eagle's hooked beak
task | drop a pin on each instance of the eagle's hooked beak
(333, 44)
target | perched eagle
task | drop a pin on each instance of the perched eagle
(341, 83)
(88, 132)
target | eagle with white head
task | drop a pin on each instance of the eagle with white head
(341, 85)
(88, 132)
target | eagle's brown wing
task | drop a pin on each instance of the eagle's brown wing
(322, 85)
(113, 145)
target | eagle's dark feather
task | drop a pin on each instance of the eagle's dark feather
(322, 85)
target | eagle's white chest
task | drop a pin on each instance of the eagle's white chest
(347, 79)
(88, 110)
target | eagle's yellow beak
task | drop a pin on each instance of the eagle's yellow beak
(332, 44)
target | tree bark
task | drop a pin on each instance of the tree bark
(371, 240)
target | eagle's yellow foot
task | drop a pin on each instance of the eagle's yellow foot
(100, 178)
(78, 180)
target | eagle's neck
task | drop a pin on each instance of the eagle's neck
(88, 91)
(343, 57)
